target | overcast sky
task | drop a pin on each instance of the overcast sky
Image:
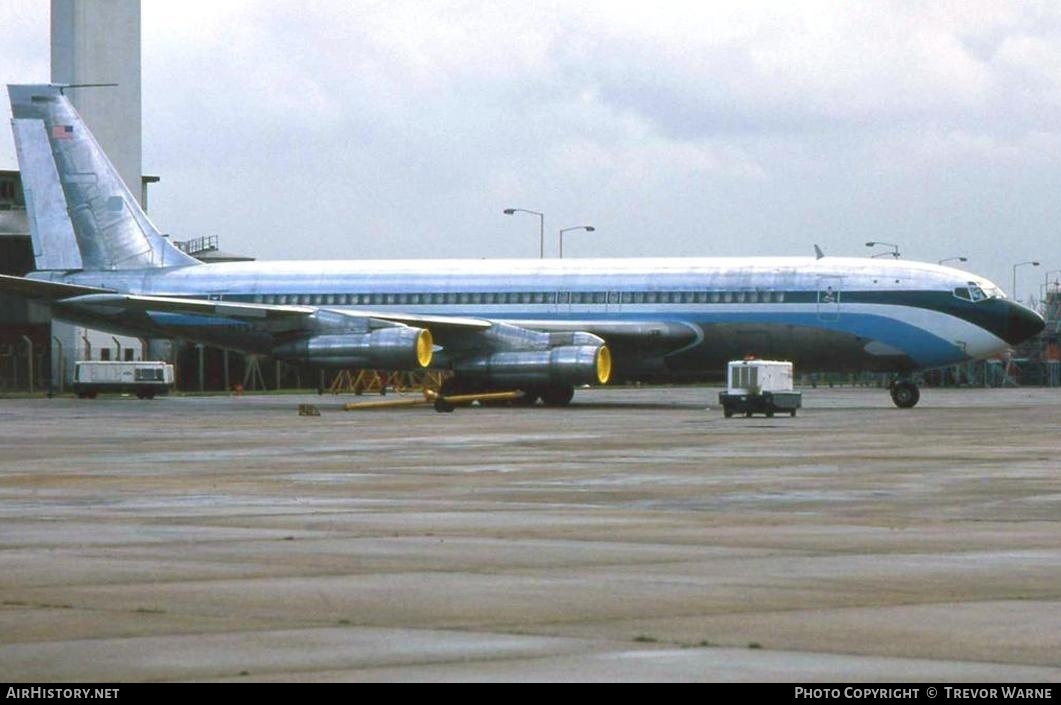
(402, 129)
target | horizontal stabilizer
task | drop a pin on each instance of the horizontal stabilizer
(49, 291)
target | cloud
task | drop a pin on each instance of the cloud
(404, 127)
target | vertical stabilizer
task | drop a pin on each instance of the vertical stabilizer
(110, 229)
(54, 243)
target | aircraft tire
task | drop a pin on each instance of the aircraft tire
(905, 394)
(529, 398)
(558, 395)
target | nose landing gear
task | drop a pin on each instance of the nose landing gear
(905, 393)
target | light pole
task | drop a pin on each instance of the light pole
(1020, 264)
(587, 228)
(895, 248)
(541, 227)
(954, 259)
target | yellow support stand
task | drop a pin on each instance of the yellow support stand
(379, 381)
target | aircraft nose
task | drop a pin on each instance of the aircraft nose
(1021, 323)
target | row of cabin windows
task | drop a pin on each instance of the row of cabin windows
(527, 297)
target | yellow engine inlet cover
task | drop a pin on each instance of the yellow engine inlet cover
(604, 364)
(425, 345)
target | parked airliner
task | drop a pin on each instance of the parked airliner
(540, 326)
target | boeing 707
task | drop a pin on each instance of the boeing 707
(543, 327)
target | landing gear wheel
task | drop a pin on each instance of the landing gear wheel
(559, 395)
(905, 394)
(443, 407)
(529, 398)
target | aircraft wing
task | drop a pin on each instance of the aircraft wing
(461, 338)
(263, 313)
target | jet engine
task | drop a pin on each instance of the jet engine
(562, 365)
(390, 348)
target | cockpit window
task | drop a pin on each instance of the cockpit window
(975, 292)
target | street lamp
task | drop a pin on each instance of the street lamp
(895, 248)
(954, 259)
(587, 228)
(1020, 264)
(541, 227)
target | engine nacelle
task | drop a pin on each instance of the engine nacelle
(391, 348)
(567, 364)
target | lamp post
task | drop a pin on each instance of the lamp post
(954, 259)
(541, 227)
(1020, 264)
(895, 248)
(587, 228)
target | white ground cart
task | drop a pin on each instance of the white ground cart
(759, 387)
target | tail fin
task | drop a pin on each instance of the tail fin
(81, 214)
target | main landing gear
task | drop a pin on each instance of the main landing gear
(905, 393)
(554, 395)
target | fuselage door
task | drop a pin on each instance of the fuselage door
(829, 290)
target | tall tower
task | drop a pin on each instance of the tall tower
(98, 41)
